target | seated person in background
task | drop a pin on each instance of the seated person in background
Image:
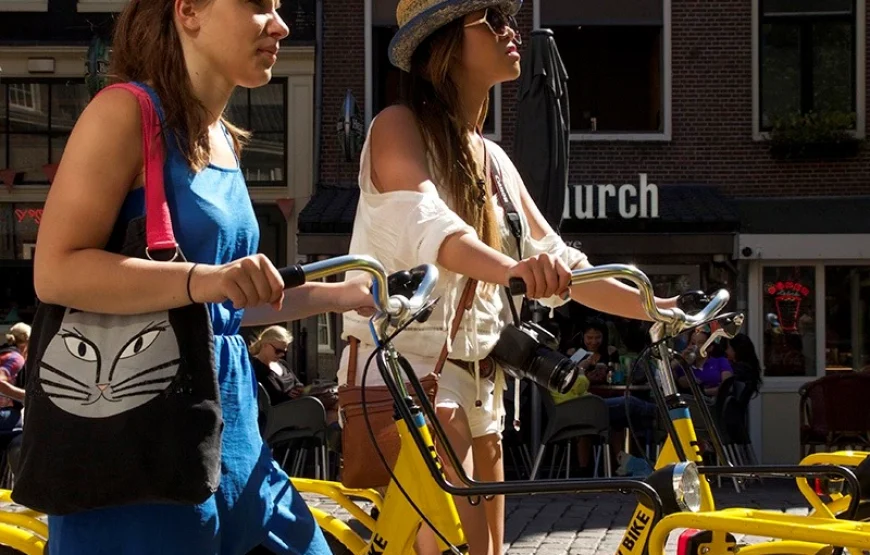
(642, 415)
(268, 352)
(12, 356)
(593, 351)
(709, 372)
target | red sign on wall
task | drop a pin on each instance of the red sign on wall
(788, 295)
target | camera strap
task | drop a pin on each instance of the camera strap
(512, 217)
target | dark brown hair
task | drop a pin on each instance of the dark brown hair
(146, 48)
(430, 92)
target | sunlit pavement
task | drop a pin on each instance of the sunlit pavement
(593, 524)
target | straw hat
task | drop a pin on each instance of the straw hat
(420, 18)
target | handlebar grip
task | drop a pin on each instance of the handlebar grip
(293, 276)
(517, 286)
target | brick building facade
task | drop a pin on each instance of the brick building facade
(733, 211)
(712, 110)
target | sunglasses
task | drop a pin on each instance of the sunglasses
(499, 24)
(280, 352)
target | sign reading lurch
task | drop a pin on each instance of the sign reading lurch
(589, 202)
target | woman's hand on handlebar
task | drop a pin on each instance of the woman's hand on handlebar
(356, 294)
(543, 274)
(247, 282)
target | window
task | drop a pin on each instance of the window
(263, 112)
(789, 305)
(19, 223)
(36, 118)
(616, 53)
(386, 78)
(273, 233)
(324, 334)
(807, 59)
(847, 313)
(301, 19)
(24, 97)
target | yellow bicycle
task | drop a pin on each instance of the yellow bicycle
(676, 490)
(712, 530)
(419, 491)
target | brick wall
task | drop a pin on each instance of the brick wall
(711, 111)
(343, 68)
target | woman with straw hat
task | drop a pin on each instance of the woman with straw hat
(427, 196)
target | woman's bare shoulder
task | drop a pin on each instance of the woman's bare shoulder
(398, 152)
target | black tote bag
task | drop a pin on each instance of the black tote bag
(122, 409)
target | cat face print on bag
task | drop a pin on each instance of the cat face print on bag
(100, 365)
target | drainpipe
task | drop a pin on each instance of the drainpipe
(318, 87)
(309, 355)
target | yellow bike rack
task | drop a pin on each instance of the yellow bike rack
(808, 535)
(21, 528)
(839, 503)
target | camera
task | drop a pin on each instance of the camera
(529, 351)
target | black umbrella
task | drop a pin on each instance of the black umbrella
(541, 150)
(543, 126)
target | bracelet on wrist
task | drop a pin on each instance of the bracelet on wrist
(189, 276)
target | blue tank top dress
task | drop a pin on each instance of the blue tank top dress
(214, 223)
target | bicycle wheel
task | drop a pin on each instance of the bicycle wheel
(335, 546)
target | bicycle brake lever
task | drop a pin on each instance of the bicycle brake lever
(693, 301)
(712, 339)
(732, 324)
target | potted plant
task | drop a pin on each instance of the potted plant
(814, 135)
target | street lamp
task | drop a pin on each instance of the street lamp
(350, 128)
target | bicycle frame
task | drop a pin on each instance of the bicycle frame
(395, 529)
(20, 527)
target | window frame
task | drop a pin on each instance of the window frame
(495, 107)
(23, 5)
(101, 6)
(782, 384)
(859, 74)
(275, 184)
(327, 320)
(666, 134)
(49, 134)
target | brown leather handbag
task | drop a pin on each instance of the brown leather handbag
(361, 465)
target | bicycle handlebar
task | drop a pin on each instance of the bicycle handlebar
(672, 316)
(395, 306)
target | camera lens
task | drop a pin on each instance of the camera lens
(553, 370)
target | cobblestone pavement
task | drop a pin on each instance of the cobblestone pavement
(573, 524)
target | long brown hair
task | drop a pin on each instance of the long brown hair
(146, 48)
(432, 94)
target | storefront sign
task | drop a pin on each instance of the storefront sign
(590, 202)
(19, 225)
(787, 297)
(23, 215)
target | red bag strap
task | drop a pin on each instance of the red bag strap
(158, 223)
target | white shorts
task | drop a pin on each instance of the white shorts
(456, 388)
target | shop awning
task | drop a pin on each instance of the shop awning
(804, 228)
(691, 223)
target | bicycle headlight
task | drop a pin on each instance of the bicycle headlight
(678, 486)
